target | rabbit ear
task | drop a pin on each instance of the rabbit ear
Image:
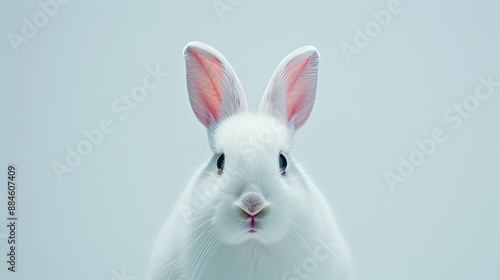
(291, 91)
(214, 89)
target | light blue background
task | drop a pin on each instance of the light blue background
(441, 223)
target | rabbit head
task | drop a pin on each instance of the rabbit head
(253, 188)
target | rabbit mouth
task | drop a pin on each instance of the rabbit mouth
(254, 233)
(252, 226)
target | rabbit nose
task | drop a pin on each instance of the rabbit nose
(252, 205)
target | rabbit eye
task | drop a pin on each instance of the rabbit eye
(283, 164)
(220, 163)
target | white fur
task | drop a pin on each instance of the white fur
(205, 236)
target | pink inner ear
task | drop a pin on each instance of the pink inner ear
(209, 86)
(296, 90)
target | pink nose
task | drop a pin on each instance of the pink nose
(252, 205)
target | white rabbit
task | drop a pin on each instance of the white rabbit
(250, 212)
